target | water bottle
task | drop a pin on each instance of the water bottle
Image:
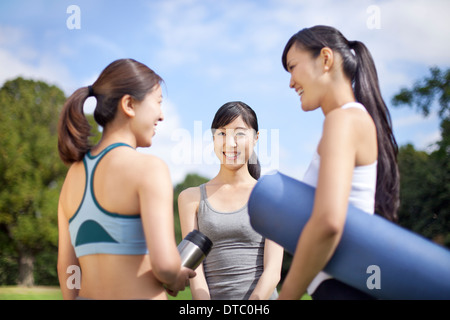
(193, 249)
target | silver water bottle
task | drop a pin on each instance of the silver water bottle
(194, 248)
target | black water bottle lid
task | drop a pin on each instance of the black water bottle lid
(202, 241)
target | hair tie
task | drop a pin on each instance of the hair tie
(91, 91)
(351, 45)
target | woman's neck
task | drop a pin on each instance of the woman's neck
(114, 135)
(338, 94)
(233, 177)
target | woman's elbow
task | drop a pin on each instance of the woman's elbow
(275, 278)
(329, 226)
(167, 269)
(272, 274)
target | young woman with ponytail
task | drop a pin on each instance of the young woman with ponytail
(115, 212)
(356, 159)
(241, 264)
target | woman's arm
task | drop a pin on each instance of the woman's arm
(156, 205)
(323, 230)
(188, 201)
(273, 259)
(66, 257)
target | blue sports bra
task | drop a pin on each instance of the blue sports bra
(93, 230)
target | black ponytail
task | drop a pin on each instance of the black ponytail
(73, 128)
(367, 92)
(254, 167)
(359, 67)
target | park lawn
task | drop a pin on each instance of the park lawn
(54, 293)
(30, 293)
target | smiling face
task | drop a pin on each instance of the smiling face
(234, 143)
(306, 75)
(148, 114)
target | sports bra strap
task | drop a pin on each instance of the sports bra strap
(107, 149)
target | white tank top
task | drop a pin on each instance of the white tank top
(362, 193)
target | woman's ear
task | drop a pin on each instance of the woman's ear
(327, 58)
(255, 140)
(127, 105)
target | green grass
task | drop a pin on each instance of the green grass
(54, 293)
(32, 293)
(182, 295)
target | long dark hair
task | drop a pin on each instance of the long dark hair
(227, 114)
(358, 65)
(121, 77)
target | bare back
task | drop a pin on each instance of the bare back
(116, 184)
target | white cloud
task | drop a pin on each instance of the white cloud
(408, 120)
(250, 36)
(414, 128)
(417, 29)
(428, 141)
(205, 33)
(19, 59)
(184, 28)
(10, 35)
(46, 69)
(409, 30)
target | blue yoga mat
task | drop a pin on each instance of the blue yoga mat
(372, 253)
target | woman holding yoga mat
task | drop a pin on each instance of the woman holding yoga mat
(115, 212)
(355, 161)
(241, 264)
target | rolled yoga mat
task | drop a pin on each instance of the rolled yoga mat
(374, 255)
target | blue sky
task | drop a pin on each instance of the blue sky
(210, 52)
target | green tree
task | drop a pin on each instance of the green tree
(426, 91)
(191, 180)
(425, 178)
(31, 175)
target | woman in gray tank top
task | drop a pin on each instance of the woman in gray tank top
(241, 264)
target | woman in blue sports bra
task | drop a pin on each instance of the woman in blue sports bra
(356, 159)
(115, 212)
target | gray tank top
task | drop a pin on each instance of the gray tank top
(236, 261)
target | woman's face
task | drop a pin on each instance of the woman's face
(148, 114)
(306, 72)
(234, 143)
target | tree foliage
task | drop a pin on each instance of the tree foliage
(30, 169)
(424, 194)
(425, 178)
(424, 92)
(31, 173)
(191, 180)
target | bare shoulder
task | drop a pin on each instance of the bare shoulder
(144, 171)
(351, 131)
(75, 169)
(152, 161)
(188, 202)
(189, 195)
(73, 188)
(348, 121)
(75, 175)
(145, 164)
